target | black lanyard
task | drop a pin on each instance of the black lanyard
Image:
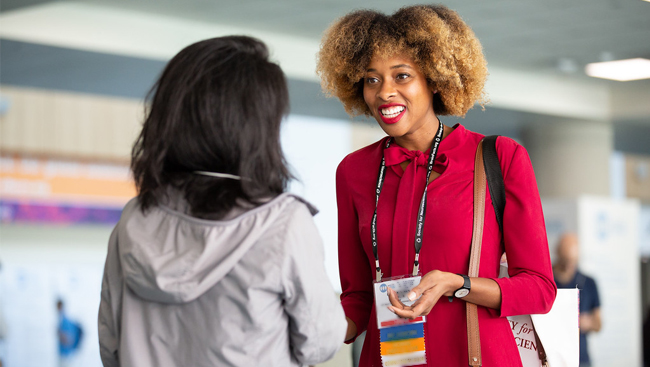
(421, 211)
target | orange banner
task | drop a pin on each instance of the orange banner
(49, 180)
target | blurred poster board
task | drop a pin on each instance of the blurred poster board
(637, 177)
(608, 231)
(43, 190)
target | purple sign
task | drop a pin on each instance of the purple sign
(30, 212)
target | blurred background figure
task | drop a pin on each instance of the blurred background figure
(567, 275)
(70, 334)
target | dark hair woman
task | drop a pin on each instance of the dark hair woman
(213, 264)
(217, 107)
(405, 70)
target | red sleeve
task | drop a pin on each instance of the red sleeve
(530, 288)
(354, 269)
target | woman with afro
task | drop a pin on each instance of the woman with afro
(405, 70)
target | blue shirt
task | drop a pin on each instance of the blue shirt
(69, 334)
(589, 300)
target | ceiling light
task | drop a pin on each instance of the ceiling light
(621, 70)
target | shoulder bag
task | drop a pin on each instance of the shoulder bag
(550, 340)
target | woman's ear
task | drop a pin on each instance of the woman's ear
(432, 86)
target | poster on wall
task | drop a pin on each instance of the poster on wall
(62, 192)
(609, 235)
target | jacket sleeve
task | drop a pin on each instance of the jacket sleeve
(108, 322)
(530, 288)
(354, 269)
(317, 323)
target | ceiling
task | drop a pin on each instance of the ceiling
(525, 35)
(521, 34)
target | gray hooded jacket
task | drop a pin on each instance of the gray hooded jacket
(245, 291)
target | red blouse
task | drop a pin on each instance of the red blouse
(446, 243)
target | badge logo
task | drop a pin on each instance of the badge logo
(383, 288)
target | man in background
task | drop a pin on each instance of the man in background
(69, 334)
(567, 275)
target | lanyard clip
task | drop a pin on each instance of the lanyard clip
(416, 264)
(379, 273)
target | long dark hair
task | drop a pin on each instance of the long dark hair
(216, 107)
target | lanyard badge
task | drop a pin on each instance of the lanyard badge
(421, 210)
(401, 340)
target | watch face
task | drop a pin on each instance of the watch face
(461, 293)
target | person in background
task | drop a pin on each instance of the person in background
(69, 335)
(567, 275)
(214, 263)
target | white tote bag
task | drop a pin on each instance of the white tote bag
(558, 332)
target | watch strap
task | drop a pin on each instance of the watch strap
(467, 284)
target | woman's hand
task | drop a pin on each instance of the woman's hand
(433, 285)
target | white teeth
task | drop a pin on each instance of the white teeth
(392, 111)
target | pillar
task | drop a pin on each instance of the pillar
(570, 157)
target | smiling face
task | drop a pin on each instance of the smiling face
(399, 97)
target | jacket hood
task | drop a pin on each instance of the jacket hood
(169, 256)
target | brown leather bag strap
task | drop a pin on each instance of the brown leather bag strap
(541, 353)
(473, 336)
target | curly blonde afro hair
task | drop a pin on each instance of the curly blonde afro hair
(433, 36)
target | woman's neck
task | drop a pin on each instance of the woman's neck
(422, 138)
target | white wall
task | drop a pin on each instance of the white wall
(314, 147)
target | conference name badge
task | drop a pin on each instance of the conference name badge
(401, 340)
